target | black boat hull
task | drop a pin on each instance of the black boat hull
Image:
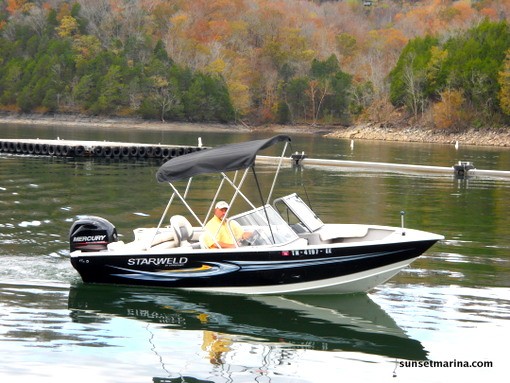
(318, 270)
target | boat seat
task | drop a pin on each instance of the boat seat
(183, 230)
(117, 245)
(201, 240)
(150, 237)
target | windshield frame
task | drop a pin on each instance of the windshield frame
(274, 232)
(300, 210)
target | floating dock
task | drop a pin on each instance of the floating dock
(389, 167)
(103, 149)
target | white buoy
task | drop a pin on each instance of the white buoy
(199, 142)
(352, 144)
(456, 145)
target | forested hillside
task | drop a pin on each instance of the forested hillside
(441, 63)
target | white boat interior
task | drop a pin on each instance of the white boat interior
(308, 231)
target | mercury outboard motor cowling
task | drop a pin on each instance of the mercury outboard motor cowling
(92, 233)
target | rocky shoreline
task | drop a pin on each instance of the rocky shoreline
(486, 137)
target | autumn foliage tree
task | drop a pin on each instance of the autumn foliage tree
(448, 112)
(409, 84)
(260, 61)
(469, 62)
(504, 84)
(64, 69)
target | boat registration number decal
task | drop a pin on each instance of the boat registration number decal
(299, 253)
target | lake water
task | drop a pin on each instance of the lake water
(452, 305)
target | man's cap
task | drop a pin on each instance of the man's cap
(222, 205)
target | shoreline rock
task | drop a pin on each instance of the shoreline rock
(381, 132)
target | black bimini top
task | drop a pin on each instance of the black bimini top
(218, 159)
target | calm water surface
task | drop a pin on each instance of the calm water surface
(452, 304)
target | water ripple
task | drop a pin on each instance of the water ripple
(464, 306)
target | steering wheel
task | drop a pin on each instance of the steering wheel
(250, 241)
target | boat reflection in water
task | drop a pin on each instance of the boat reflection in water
(352, 323)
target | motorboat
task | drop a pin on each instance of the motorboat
(289, 249)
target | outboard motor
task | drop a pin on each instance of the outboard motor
(92, 233)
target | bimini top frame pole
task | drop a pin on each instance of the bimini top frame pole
(166, 210)
(277, 172)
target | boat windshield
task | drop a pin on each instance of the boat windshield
(298, 213)
(277, 232)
